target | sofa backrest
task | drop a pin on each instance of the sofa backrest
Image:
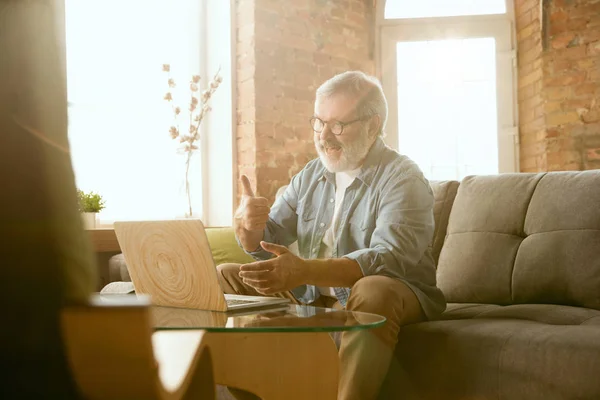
(524, 238)
(444, 193)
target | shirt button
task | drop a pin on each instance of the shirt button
(322, 224)
(331, 200)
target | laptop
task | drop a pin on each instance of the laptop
(172, 262)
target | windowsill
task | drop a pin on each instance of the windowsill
(104, 239)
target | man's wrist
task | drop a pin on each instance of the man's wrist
(250, 240)
(305, 271)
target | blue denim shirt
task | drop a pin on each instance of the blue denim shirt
(385, 224)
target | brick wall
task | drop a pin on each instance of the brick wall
(572, 85)
(560, 112)
(285, 50)
(530, 81)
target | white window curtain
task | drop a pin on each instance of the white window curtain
(118, 120)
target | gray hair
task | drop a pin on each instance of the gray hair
(365, 87)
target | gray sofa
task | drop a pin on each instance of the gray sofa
(520, 268)
(519, 262)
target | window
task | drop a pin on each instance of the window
(450, 89)
(118, 120)
(437, 106)
(442, 8)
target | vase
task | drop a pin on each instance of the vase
(191, 188)
(89, 220)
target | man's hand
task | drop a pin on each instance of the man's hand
(251, 217)
(253, 211)
(284, 272)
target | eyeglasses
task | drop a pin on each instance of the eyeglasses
(336, 127)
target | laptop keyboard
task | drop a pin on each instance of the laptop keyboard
(233, 302)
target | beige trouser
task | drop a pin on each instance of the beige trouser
(365, 355)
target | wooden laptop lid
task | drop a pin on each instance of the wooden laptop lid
(172, 262)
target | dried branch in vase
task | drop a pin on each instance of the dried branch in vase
(198, 108)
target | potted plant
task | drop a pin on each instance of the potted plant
(90, 203)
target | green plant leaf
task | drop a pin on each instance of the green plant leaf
(90, 201)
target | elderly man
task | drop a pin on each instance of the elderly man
(362, 215)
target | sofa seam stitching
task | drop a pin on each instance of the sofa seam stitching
(512, 271)
(587, 319)
(537, 233)
(446, 202)
(499, 361)
(443, 201)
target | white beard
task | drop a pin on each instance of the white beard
(351, 157)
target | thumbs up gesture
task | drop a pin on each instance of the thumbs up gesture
(253, 212)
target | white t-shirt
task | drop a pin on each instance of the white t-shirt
(342, 181)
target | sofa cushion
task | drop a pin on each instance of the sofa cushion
(524, 238)
(501, 358)
(544, 313)
(592, 321)
(444, 193)
(485, 230)
(477, 267)
(224, 247)
(466, 310)
(117, 269)
(559, 260)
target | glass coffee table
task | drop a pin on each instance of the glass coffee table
(284, 352)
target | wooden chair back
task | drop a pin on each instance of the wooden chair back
(111, 355)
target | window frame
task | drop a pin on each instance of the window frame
(381, 12)
(500, 26)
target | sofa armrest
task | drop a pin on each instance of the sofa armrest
(444, 193)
